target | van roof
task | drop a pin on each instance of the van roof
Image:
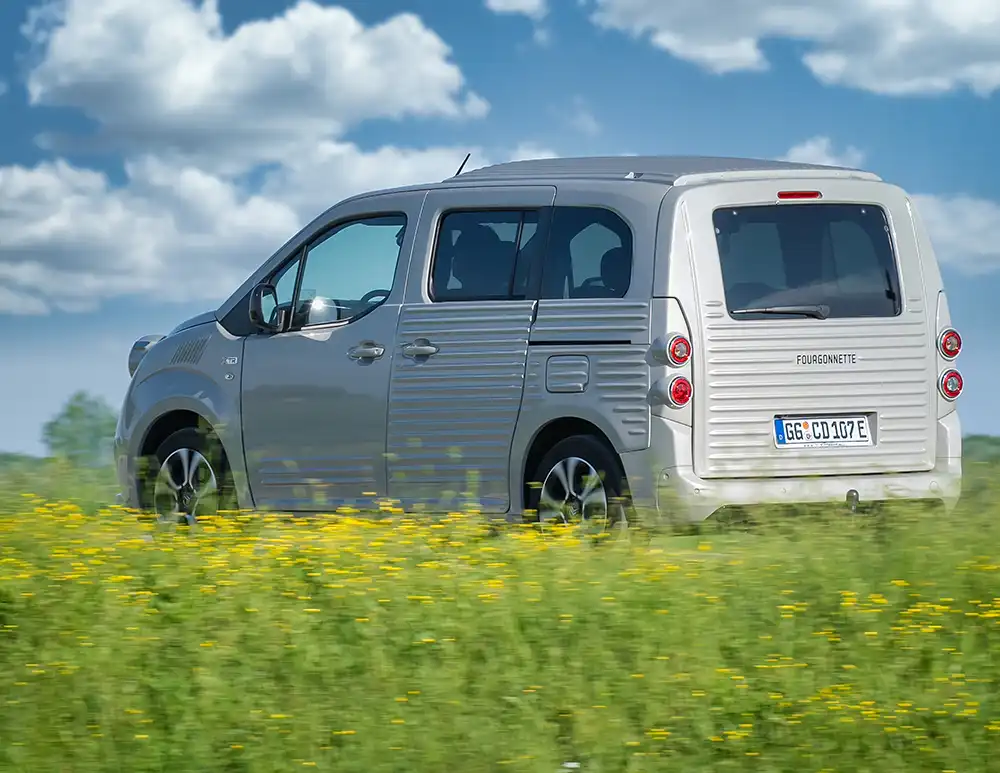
(665, 170)
(661, 170)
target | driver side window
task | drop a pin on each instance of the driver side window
(347, 271)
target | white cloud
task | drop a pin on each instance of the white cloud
(20, 304)
(534, 9)
(3, 87)
(962, 228)
(819, 150)
(883, 46)
(198, 113)
(165, 77)
(72, 239)
(964, 231)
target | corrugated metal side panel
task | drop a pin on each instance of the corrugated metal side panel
(452, 416)
(591, 320)
(617, 389)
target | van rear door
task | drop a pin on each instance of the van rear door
(814, 326)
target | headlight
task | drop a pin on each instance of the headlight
(138, 351)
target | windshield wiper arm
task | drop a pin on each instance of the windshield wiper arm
(817, 311)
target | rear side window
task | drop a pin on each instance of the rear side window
(835, 256)
(589, 254)
(483, 255)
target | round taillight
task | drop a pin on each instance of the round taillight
(950, 344)
(680, 392)
(951, 384)
(679, 350)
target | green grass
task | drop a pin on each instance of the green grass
(260, 644)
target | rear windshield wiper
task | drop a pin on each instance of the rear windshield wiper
(817, 311)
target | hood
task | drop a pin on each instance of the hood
(198, 319)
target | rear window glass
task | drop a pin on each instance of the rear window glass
(838, 257)
(480, 255)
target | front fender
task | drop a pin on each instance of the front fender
(208, 387)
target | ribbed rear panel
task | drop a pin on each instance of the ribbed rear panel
(749, 375)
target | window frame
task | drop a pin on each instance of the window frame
(631, 244)
(896, 276)
(534, 264)
(301, 254)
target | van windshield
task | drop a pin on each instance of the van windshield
(835, 257)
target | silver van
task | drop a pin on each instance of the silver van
(577, 337)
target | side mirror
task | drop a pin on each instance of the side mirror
(258, 318)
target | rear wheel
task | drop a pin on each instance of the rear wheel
(579, 481)
(188, 477)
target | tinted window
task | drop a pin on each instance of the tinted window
(348, 271)
(480, 255)
(834, 255)
(589, 255)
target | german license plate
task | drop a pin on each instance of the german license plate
(822, 431)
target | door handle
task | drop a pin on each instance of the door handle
(366, 351)
(420, 348)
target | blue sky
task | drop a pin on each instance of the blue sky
(153, 153)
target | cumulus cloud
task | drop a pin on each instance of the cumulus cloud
(72, 239)
(166, 77)
(230, 141)
(19, 304)
(964, 231)
(896, 47)
(819, 150)
(534, 9)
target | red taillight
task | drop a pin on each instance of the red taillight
(951, 384)
(950, 344)
(680, 392)
(785, 195)
(679, 350)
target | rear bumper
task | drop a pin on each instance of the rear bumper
(668, 483)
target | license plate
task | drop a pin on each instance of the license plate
(822, 431)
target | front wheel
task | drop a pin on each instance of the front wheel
(579, 481)
(188, 477)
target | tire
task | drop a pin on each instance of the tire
(187, 478)
(579, 456)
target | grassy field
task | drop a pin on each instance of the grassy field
(342, 644)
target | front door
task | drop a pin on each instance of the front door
(315, 396)
(462, 345)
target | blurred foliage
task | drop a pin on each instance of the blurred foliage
(831, 643)
(82, 432)
(981, 448)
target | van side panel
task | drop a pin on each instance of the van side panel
(602, 342)
(748, 371)
(452, 415)
(607, 321)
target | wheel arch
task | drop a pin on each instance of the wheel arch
(552, 432)
(167, 424)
